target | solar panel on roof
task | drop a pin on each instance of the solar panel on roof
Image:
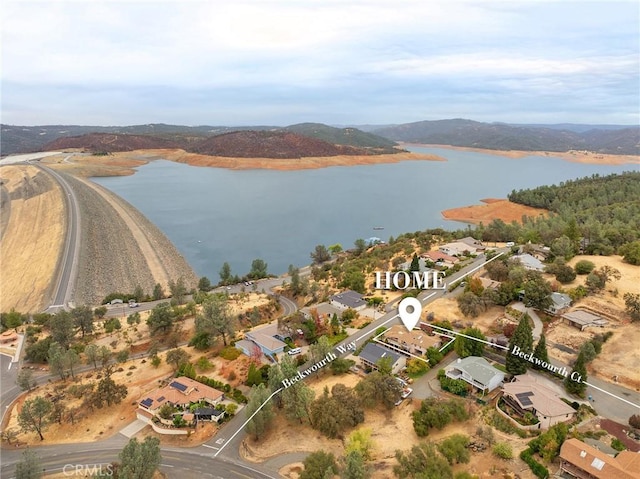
(161, 398)
(179, 386)
(147, 402)
(524, 398)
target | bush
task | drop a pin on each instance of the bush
(503, 450)
(617, 444)
(584, 266)
(634, 421)
(230, 353)
(538, 469)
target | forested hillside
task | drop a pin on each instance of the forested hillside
(597, 214)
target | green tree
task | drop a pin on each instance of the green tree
(215, 318)
(34, 415)
(260, 423)
(104, 355)
(354, 466)
(537, 291)
(584, 266)
(158, 292)
(25, 380)
(225, 273)
(258, 269)
(61, 326)
(320, 349)
(178, 290)
(160, 319)
(177, 357)
(422, 462)
(631, 252)
(577, 386)
(454, 449)
(254, 376)
(70, 359)
(297, 398)
(317, 464)
(415, 263)
(83, 319)
(108, 392)
(361, 246)
(563, 247)
(468, 347)
(333, 414)
(204, 284)
(100, 312)
(335, 249)
(540, 351)
(320, 254)
(360, 441)
(377, 388)
(139, 460)
(11, 320)
(56, 360)
(470, 304)
(632, 305)
(523, 338)
(29, 466)
(503, 450)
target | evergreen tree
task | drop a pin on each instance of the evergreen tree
(259, 423)
(139, 460)
(577, 387)
(317, 464)
(541, 350)
(354, 466)
(29, 466)
(523, 338)
(415, 263)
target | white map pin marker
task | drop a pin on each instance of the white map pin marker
(409, 311)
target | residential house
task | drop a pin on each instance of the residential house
(560, 302)
(422, 264)
(583, 319)
(526, 394)
(440, 258)
(372, 353)
(457, 248)
(415, 342)
(538, 251)
(348, 299)
(473, 243)
(325, 311)
(267, 338)
(180, 392)
(529, 262)
(582, 461)
(476, 371)
(488, 283)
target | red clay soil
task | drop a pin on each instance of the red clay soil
(617, 430)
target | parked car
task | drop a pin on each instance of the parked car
(294, 351)
(406, 392)
(133, 304)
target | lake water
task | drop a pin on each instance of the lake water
(213, 215)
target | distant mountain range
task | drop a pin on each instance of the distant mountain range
(279, 142)
(499, 136)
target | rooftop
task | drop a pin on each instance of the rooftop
(478, 368)
(584, 318)
(372, 353)
(531, 394)
(416, 338)
(181, 390)
(349, 298)
(598, 464)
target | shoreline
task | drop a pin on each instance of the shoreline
(492, 209)
(125, 163)
(573, 156)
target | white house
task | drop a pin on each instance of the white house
(560, 302)
(476, 371)
(372, 353)
(529, 262)
(348, 299)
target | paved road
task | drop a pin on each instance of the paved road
(537, 322)
(9, 391)
(67, 268)
(185, 463)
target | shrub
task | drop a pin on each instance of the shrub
(230, 353)
(503, 450)
(617, 444)
(584, 266)
(634, 421)
(538, 469)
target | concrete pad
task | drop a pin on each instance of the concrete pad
(134, 428)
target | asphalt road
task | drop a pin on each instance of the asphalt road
(9, 390)
(67, 267)
(183, 463)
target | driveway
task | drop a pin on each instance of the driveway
(537, 322)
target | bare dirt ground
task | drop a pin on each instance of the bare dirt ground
(37, 218)
(620, 354)
(120, 164)
(493, 209)
(391, 430)
(572, 155)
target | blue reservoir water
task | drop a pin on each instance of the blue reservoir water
(213, 215)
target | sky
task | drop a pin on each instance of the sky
(340, 62)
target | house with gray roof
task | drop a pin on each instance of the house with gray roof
(529, 262)
(476, 371)
(264, 337)
(372, 353)
(560, 302)
(348, 299)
